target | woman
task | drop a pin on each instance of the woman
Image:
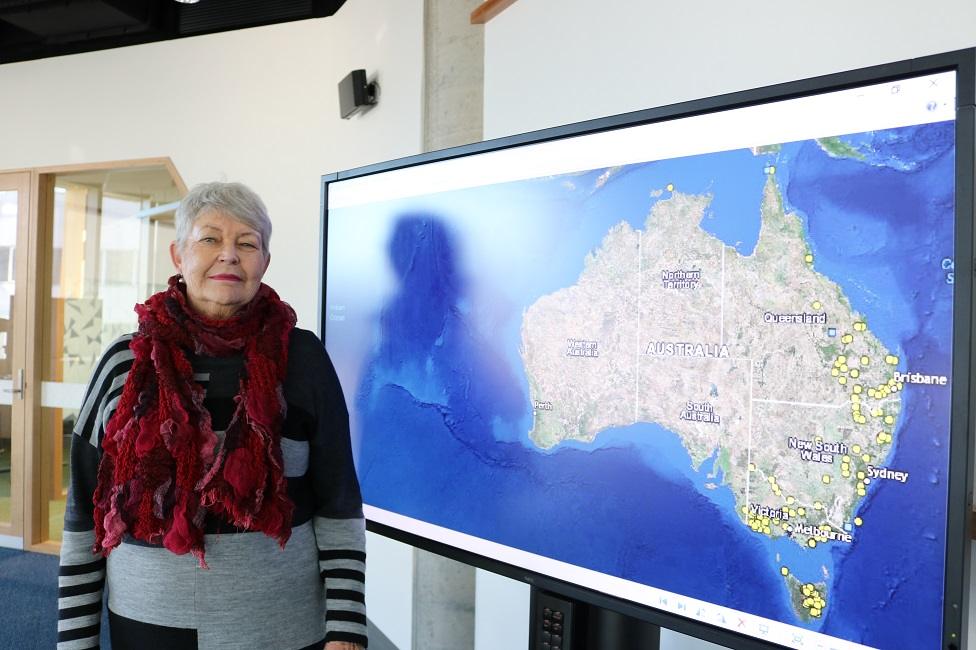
(212, 482)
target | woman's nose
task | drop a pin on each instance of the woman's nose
(228, 253)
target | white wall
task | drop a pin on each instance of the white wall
(257, 105)
(389, 588)
(552, 62)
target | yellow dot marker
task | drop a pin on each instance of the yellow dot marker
(872, 392)
(856, 449)
(891, 360)
(812, 543)
(847, 338)
(790, 500)
(855, 373)
(860, 326)
(858, 521)
(843, 367)
(817, 505)
(860, 419)
(857, 389)
(771, 479)
(834, 372)
(826, 479)
(801, 511)
(866, 458)
(784, 570)
(808, 258)
(842, 379)
(816, 304)
(865, 361)
(670, 187)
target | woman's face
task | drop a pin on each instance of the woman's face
(222, 262)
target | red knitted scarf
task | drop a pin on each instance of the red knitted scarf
(162, 468)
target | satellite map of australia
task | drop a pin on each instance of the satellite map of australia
(725, 376)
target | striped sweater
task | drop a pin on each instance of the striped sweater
(254, 595)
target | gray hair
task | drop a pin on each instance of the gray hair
(235, 199)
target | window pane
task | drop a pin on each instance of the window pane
(8, 240)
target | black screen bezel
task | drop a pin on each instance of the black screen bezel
(960, 477)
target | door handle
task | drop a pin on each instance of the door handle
(18, 388)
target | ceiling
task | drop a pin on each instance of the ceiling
(37, 29)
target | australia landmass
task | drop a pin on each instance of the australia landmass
(759, 357)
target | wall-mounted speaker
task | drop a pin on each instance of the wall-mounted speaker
(356, 94)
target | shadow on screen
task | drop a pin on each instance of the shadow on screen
(432, 372)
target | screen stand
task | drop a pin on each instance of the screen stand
(560, 623)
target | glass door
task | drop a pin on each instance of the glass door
(14, 210)
(107, 249)
(79, 247)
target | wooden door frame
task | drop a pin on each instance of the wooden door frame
(18, 444)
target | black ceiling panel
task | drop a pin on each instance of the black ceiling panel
(37, 29)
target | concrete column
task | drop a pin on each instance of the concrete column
(443, 603)
(444, 590)
(454, 61)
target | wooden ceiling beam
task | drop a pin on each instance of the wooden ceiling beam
(488, 10)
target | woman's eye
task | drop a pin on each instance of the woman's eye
(247, 244)
(208, 240)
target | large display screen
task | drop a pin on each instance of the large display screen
(703, 364)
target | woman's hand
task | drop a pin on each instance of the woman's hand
(342, 645)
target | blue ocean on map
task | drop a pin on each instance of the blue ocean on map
(440, 402)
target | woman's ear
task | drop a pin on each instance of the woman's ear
(174, 254)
